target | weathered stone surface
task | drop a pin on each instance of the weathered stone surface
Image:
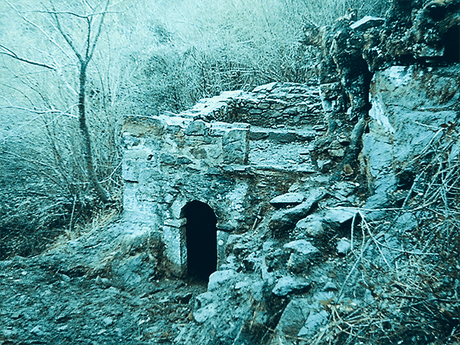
(266, 104)
(302, 246)
(282, 137)
(220, 277)
(407, 103)
(288, 199)
(340, 215)
(313, 225)
(286, 219)
(291, 321)
(289, 284)
(343, 246)
(406, 222)
(196, 128)
(302, 257)
(313, 322)
(205, 313)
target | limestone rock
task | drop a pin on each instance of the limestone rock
(288, 199)
(289, 284)
(283, 220)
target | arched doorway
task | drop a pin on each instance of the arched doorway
(201, 234)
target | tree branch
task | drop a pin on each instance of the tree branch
(64, 35)
(8, 52)
(96, 38)
(38, 27)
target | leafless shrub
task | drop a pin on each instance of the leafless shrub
(411, 276)
(200, 49)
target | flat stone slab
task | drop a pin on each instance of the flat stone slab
(287, 199)
(340, 215)
(286, 285)
(302, 246)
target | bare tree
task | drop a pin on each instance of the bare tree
(93, 22)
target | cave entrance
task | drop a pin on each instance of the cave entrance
(452, 44)
(201, 239)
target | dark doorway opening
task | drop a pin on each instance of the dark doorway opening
(451, 43)
(201, 235)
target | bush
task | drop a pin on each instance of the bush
(198, 49)
(150, 58)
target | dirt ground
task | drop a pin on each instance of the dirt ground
(39, 304)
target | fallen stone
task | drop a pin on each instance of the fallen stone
(107, 321)
(330, 286)
(205, 313)
(218, 278)
(342, 189)
(314, 321)
(406, 222)
(343, 246)
(283, 220)
(288, 199)
(312, 225)
(286, 285)
(298, 263)
(302, 247)
(340, 215)
(293, 318)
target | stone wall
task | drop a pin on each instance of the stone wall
(272, 105)
(235, 168)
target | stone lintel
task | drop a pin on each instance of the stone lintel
(175, 223)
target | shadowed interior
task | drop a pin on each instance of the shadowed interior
(201, 235)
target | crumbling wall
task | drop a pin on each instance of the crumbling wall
(273, 105)
(234, 168)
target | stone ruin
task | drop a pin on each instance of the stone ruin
(218, 166)
(222, 160)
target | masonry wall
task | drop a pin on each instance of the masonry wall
(273, 105)
(235, 168)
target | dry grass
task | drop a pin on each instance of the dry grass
(151, 57)
(413, 275)
(199, 49)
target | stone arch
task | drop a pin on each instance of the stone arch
(201, 239)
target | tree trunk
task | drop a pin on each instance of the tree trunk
(87, 152)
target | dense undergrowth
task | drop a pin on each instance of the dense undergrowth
(151, 57)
